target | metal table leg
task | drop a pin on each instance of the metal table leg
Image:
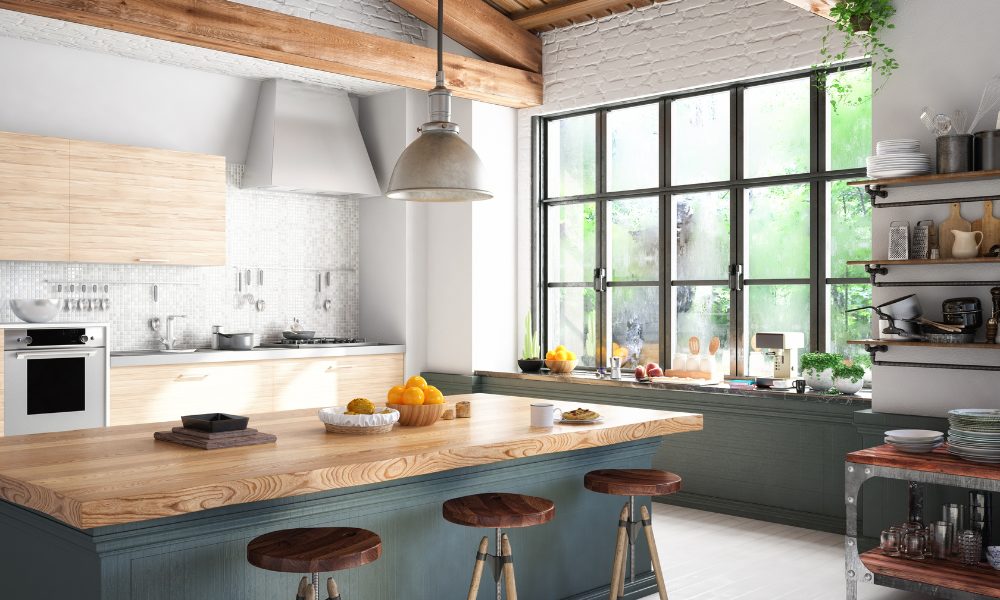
(854, 477)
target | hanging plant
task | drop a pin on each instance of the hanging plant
(862, 22)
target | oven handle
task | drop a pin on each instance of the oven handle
(44, 355)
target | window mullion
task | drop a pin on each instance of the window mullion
(666, 238)
(737, 299)
(602, 305)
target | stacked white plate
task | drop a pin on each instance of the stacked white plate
(974, 434)
(915, 441)
(898, 158)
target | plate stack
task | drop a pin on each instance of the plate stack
(914, 441)
(898, 158)
(974, 434)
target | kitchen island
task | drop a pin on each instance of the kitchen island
(119, 516)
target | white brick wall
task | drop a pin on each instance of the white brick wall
(666, 47)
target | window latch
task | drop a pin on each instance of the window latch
(600, 280)
(736, 278)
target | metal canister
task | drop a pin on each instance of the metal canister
(954, 153)
(616, 367)
(987, 150)
(216, 330)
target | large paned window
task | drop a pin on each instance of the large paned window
(717, 213)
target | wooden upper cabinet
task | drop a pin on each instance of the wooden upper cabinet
(34, 198)
(138, 205)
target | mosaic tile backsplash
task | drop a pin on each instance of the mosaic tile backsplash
(292, 238)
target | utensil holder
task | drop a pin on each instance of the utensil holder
(986, 150)
(954, 153)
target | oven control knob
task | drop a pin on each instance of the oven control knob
(26, 339)
(84, 339)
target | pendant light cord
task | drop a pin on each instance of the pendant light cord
(440, 48)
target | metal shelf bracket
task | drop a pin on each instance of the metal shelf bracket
(873, 349)
(875, 191)
(875, 269)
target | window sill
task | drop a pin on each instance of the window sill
(862, 398)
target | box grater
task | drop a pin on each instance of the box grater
(920, 247)
(899, 240)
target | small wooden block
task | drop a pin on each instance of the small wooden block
(215, 444)
(463, 409)
(449, 413)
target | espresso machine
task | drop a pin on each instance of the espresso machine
(782, 351)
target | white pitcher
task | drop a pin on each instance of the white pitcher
(966, 243)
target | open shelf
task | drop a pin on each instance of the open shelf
(933, 572)
(928, 261)
(929, 179)
(972, 346)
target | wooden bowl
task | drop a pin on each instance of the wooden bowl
(418, 415)
(560, 366)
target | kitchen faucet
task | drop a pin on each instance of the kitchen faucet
(169, 339)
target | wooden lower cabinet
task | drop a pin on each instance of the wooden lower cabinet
(165, 392)
(1, 386)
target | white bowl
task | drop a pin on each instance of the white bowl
(35, 310)
(846, 386)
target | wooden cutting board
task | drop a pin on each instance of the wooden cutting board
(214, 444)
(946, 239)
(990, 226)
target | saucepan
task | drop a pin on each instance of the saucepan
(902, 318)
(235, 341)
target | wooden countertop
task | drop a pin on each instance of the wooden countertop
(100, 477)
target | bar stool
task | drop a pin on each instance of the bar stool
(315, 550)
(632, 483)
(497, 511)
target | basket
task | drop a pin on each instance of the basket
(560, 366)
(354, 430)
(418, 415)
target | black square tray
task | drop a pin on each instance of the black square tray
(215, 422)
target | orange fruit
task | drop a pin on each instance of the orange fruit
(561, 355)
(432, 395)
(416, 382)
(550, 355)
(413, 396)
(560, 347)
(570, 355)
(396, 394)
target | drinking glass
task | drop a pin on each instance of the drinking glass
(890, 541)
(971, 546)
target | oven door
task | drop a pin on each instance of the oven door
(53, 390)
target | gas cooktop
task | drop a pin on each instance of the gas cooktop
(317, 342)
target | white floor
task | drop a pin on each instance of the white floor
(708, 556)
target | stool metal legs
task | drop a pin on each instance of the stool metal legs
(502, 566)
(627, 530)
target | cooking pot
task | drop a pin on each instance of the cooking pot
(906, 307)
(235, 341)
(966, 312)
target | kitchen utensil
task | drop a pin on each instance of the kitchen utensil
(543, 414)
(954, 153)
(694, 345)
(955, 514)
(927, 119)
(991, 331)
(298, 335)
(990, 226)
(939, 327)
(914, 545)
(713, 345)
(236, 341)
(215, 422)
(943, 125)
(970, 543)
(954, 222)
(899, 240)
(260, 305)
(260, 277)
(920, 244)
(960, 121)
(988, 102)
(35, 310)
(966, 244)
(942, 533)
(327, 304)
(966, 313)
(904, 307)
(986, 150)
(249, 277)
(693, 363)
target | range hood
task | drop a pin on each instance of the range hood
(307, 140)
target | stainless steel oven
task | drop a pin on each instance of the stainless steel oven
(55, 379)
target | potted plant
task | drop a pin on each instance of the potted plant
(862, 22)
(848, 377)
(531, 356)
(817, 369)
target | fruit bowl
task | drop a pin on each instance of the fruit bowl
(560, 366)
(418, 415)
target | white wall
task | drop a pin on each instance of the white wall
(944, 68)
(65, 92)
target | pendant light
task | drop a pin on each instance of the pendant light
(439, 166)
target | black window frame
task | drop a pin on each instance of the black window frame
(817, 177)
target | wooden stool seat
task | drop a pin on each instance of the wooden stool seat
(632, 482)
(314, 550)
(499, 511)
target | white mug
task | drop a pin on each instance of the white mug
(544, 415)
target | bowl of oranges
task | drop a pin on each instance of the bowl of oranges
(560, 359)
(418, 404)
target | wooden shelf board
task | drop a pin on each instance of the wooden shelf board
(929, 179)
(935, 461)
(943, 573)
(972, 346)
(927, 261)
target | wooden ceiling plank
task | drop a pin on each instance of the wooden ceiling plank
(567, 10)
(818, 7)
(483, 30)
(248, 31)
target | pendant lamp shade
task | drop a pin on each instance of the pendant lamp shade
(439, 166)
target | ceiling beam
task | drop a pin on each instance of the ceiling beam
(818, 7)
(239, 29)
(556, 12)
(483, 30)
